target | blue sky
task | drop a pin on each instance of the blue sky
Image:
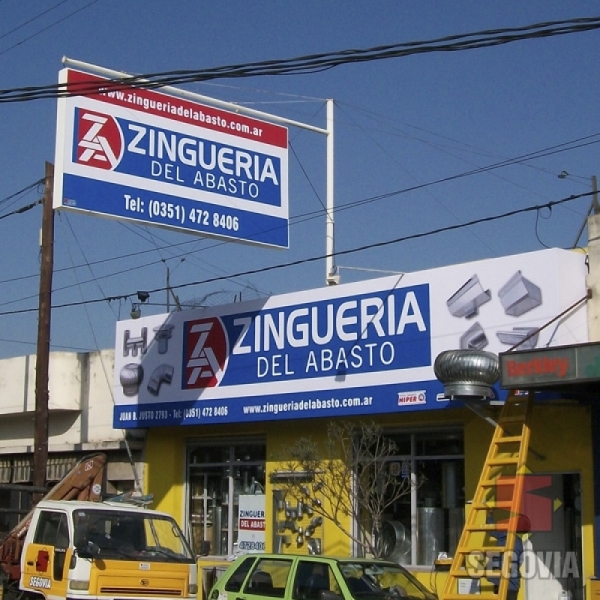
(399, 123)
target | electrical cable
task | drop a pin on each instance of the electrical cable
(310, 63)
(32, 19)
(47, 27)
(25, 189)
(23, 209)
(302, 218)
(534, 208)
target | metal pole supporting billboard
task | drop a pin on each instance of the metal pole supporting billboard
(331, 274)
(40, 445)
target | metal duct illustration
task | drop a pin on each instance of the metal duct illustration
(131, 376)
(467, 373)
(519, 295)
(135, 344)
(467, 300)
(474, 338)
(524, 337)
(162, 335)
(162, 374)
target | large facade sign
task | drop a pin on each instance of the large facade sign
(149, 157)
(360, 348)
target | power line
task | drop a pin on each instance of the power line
(47, 26)
(22, 209)
(313, 63)
(25, 189)
(307, 216)
(534, 208)
(32, 19)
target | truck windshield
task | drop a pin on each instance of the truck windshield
(113, 533)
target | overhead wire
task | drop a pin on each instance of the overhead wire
(481, 240)
(338, 253)
(450, 146)
(46, 28)
(13, 198)
(21, 210)
(311, 63)
(378, 53)
(32, 19)
(311, 215)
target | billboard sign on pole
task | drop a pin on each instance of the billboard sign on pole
(158, 159)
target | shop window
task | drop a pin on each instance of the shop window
(218, 475)
(429, 518)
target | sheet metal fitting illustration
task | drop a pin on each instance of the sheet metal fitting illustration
(519, 295)
(162, 374)
(132, 374)
(135, 344)
(131, 377)
(466, 301)
(474, 338)
(524, 337)
(162, 335)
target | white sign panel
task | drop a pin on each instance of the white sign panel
(149, 157)
(251, 523)
(361, 348)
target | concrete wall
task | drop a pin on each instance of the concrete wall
(80, 402)
(593, 279)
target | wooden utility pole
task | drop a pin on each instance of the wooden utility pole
(40, 450)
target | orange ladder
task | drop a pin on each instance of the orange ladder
(499, 490)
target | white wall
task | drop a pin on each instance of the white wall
(80, 402)
(593, 279)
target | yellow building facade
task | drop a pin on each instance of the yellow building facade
(560, 443)
(282, 370)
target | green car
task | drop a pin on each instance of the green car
(295, 577)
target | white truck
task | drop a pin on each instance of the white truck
(74, 546)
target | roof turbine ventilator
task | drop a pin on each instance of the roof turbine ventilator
(468, 373)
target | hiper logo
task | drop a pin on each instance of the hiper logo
(205, 355)
(99, 140)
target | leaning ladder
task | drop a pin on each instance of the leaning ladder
(500, 489)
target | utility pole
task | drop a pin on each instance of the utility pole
(40, 450)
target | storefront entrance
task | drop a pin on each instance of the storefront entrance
(553, 549)
(218, 473)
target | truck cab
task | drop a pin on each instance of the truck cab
(93, 550)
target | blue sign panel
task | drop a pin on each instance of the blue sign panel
(171, 163)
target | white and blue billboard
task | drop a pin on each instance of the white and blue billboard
(145, 156)
(355, 349)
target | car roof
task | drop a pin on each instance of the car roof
(320, 557)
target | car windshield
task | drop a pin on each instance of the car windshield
(119, 534)
(381, 581)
